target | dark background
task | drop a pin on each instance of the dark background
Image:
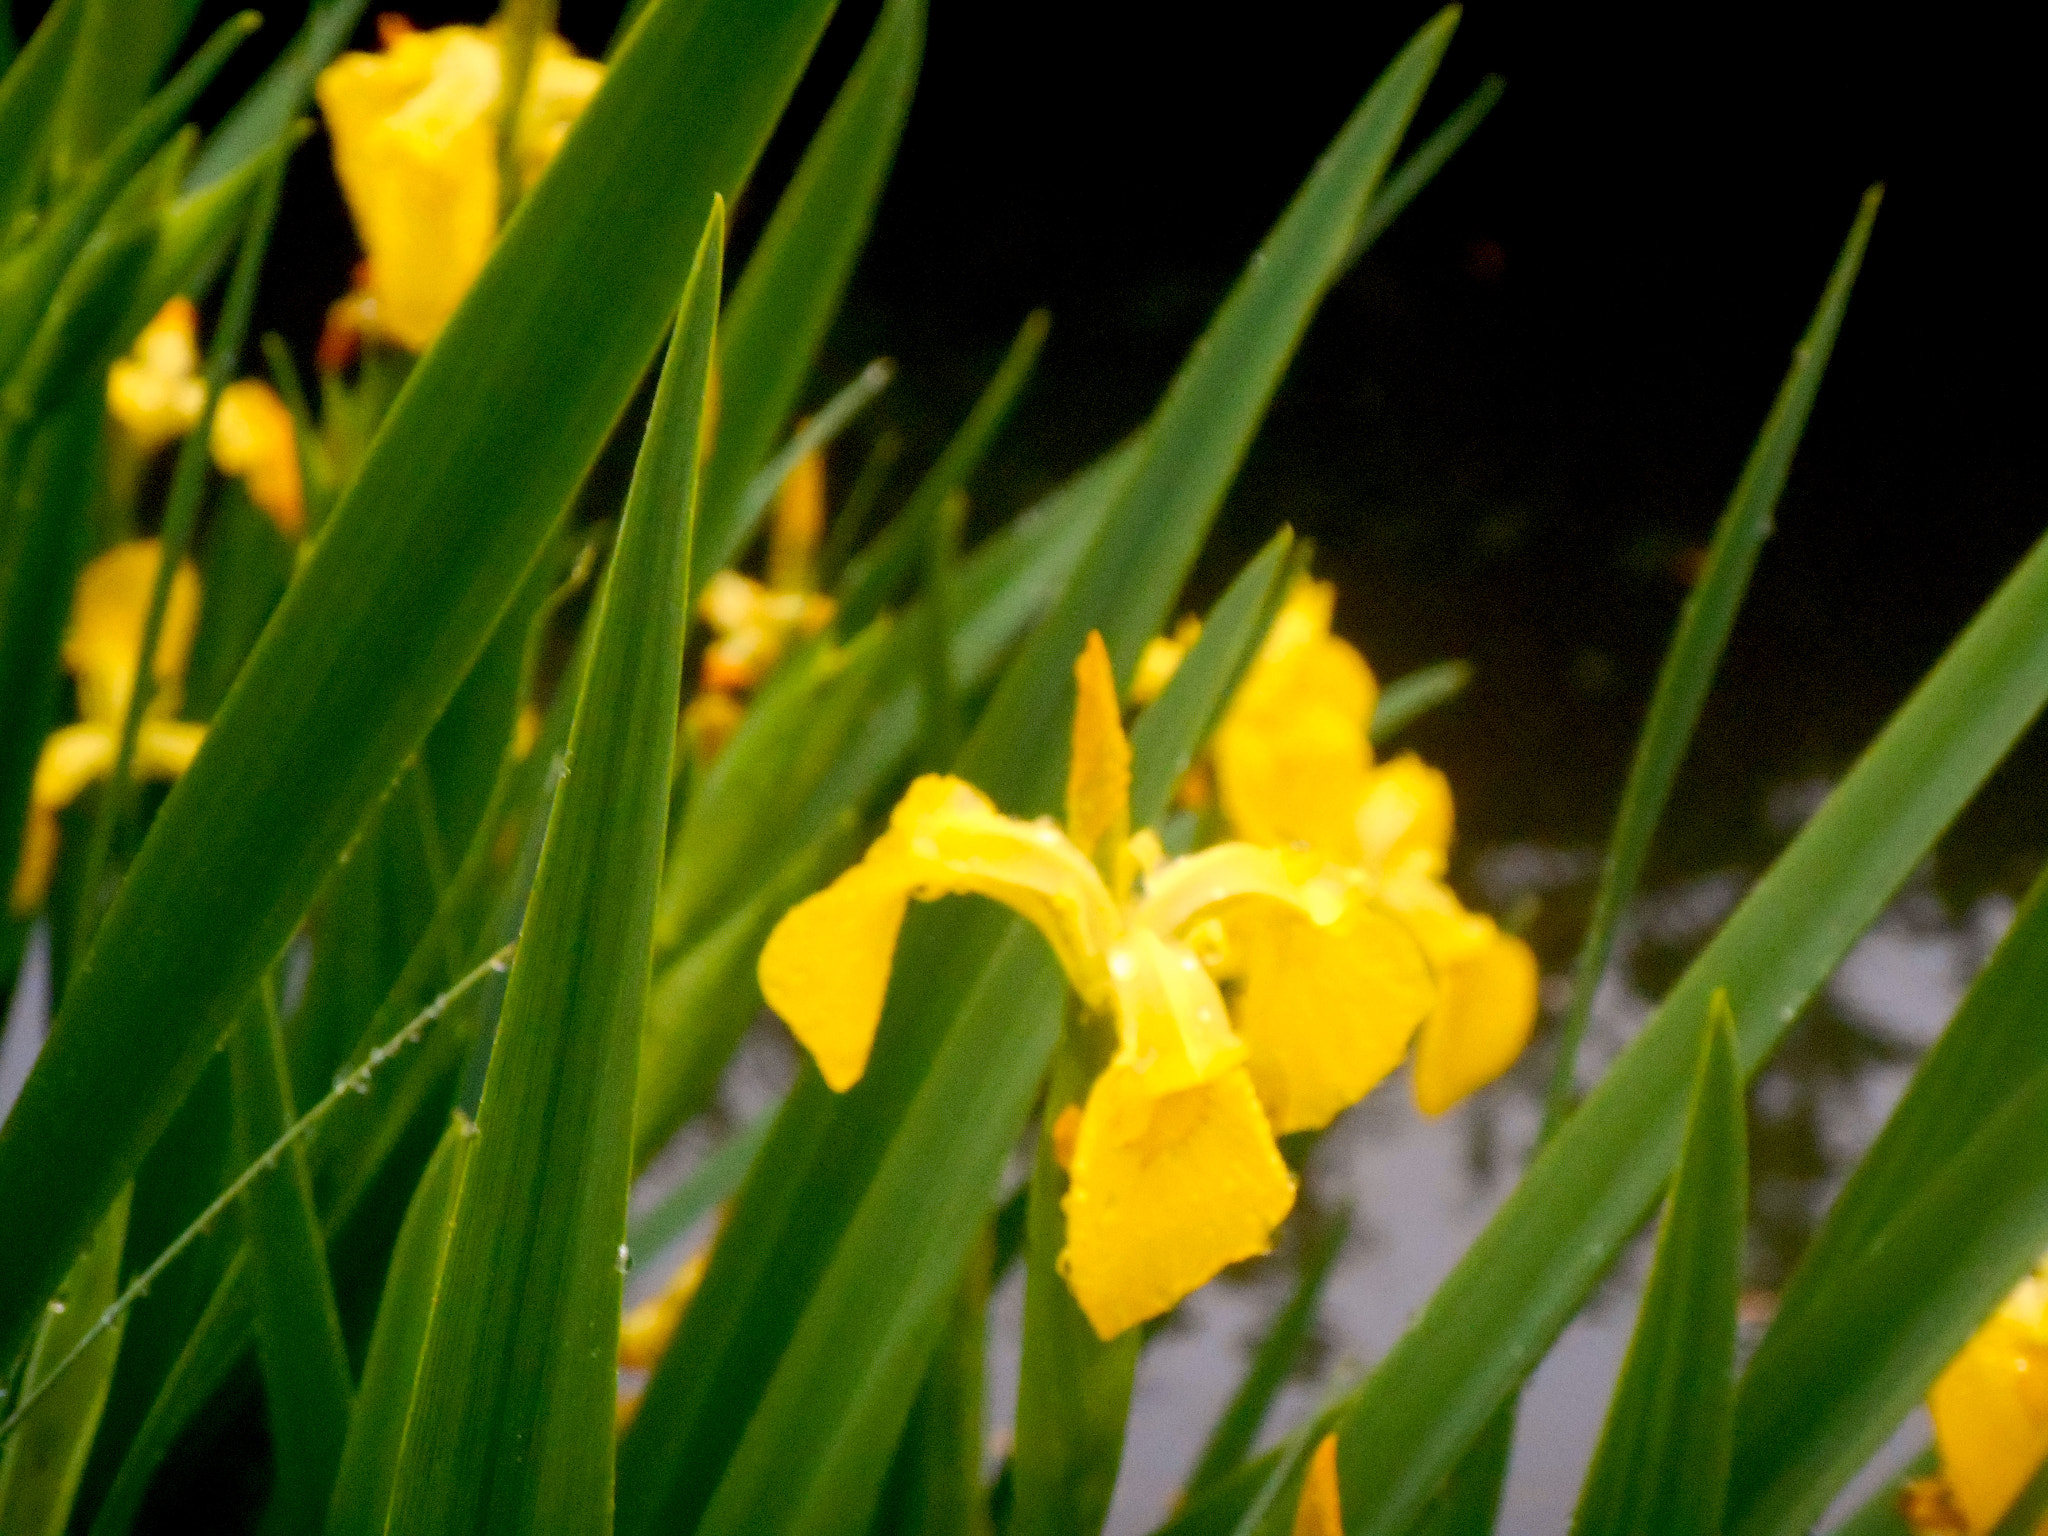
(1514, 419)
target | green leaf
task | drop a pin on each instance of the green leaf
(1945, 1214)
(1662, 1463)
(1132, 574)
(934, 1484)
(1546, 1247)
(798, 273)
(1273, 1362)
(402, 590)
(1407, 698)
(268, 107)
(1408, 178)
(31, 277)
(43, 1459)
(122, 46)
(1881, 1514)
(28, 104)
(307, 1385)
(376, 1430)
(512, 1425)
(1469, 1501)
(1695, 653)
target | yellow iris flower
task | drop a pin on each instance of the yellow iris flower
(415, 131)
(1247, 994)
(254, 437)
(1990, 1409)
(1293, 765)
(155, 392)
(753, 621)
(100, 651)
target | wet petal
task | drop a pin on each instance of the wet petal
(1483, 1018)
(1990, 1408)
(1165, 1192)
(1327, 1010)
(1190, 889)
(1173, 1031)
(1099, 768)
(1321, 1510)
(825, 969)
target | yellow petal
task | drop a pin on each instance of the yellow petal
(1327, 1010)
(799, 526)
(1187, 890)
(1404, 819)
(165, 748)
(1173, 1031)
(645, 1332)
(1099, 769)
(1321, 1510)
(559, 88)
(1165, 1192)
(254, 437)
(1990, 1408)
(825, 969)
(36, 863)
(155, 392)
(1292, 753)
(1161, 659)
(1484, 1014)
(72, 758)
(416, 150)
(108, 611)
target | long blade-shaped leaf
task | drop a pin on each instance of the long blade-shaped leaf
(797, 274)
(270, 105)
(403, 589)
(306, 1380)
(1544, 1250)
(1662, 1464)
(1944, 1215)
(1695, 654)
(28, 98)
(376, 1430)
(512, 1423)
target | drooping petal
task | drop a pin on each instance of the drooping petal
(254, 437)
(1326, 1010)
(1189, 889)
(1292, 752)
(825, 968)
(1163, 1193)
(1404, 818)
(1990, 1407)
(1321, 1510)
(108, 611)
(1099, 767)
(1173, 1031)
(1485, 1011)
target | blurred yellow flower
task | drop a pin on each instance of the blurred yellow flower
(1990, 1409)
(753, 622)
(1173, 1171)
(1320, 1511)
(1162, 657)
(254, 437)
(1294, 766)
(415, 131)
(101, 647)
(155, 392)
